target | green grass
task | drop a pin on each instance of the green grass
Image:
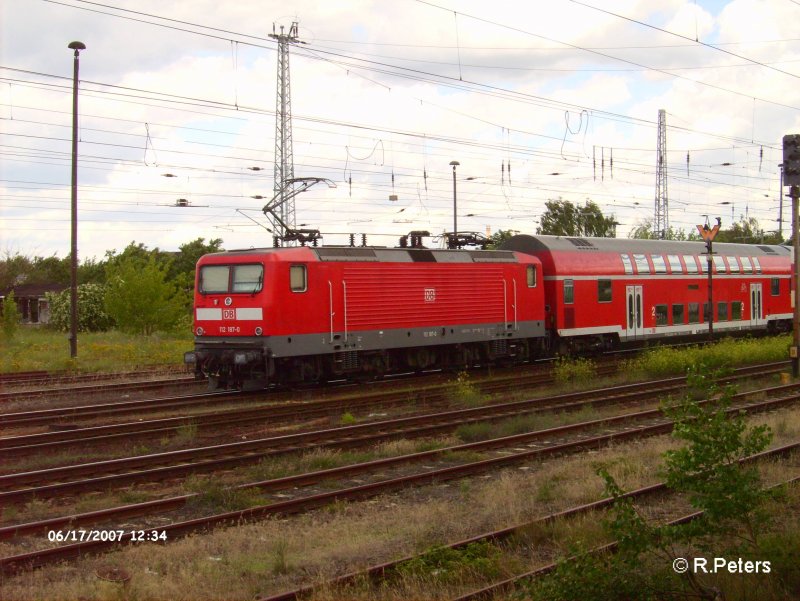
(729, 352)
(37, 348)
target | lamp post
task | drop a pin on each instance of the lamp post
(73, 317)
(455, 203)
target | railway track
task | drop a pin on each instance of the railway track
(93, 388)
(378, 572)
(122, 472)
(71, 435)
(624, 432)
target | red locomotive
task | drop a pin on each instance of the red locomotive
(283, 315)
(302, 314)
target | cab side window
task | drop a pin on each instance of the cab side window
(531, 276)
(297, 278)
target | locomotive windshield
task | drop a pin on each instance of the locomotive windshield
(221, 279)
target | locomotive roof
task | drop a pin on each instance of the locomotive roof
(532, 244)
(387, 255)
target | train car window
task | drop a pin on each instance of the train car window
(736, 310)
(757, 264)
(214, 278)
(659, 264)
(747, 265)
(719, 263)
(675, 263)
(569, 292)
(691, 263)
(734, 264)
(661, 315)
(776, 287)
(603, 291)
(626, 263)
(677, 315)
(722, 311)
(704, 264)
(642, 266)
(531, 276)
(247, 278)
(694, 312)
(297, 278)
(706, 312)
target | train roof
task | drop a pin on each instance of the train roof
(375, 254)
(535, 244)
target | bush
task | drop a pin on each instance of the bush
(91, 314)
(10, 316)
(139, 298)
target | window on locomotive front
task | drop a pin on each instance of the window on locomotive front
(297, 278)
(675, 263)
(569, 292)
(214, 279)
(691, 263)
(247, 278)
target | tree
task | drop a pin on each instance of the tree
(499, 237)
(644, 231)
(10, 316)
(92, 316)
(182, 268)
(562, 218)
(139, 298)
(748, 231)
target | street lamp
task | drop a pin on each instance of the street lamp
(73, 299)
(455, 214)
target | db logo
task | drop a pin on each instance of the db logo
(229, 314)
(430, 295)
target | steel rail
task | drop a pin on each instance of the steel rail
(509, 583)
(88, 388)
(9, 565)
(380, 570)
(226, 455)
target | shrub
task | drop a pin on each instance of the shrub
(91, 313)
(10, 316)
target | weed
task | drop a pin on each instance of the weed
(443, 564)
(214, 496)
(474, 432)
(347, 419)
(578, 371)
(464, 392)
(280, 561)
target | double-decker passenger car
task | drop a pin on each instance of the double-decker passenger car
(604, 291)
(280, 315)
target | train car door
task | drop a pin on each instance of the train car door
(633, 305)
(756, 308)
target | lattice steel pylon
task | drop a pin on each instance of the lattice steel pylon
(284, 158)
(661, 216)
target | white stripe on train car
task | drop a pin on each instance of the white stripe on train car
(209, 314)
(250, 314)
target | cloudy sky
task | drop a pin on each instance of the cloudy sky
(536, 100)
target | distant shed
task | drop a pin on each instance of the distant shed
(31, 301)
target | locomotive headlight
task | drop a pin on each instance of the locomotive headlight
(190, 357)
(199, 331)
(240, 358)
(259, 331)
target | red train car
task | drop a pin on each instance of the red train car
(283, 315)
(603, 291)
